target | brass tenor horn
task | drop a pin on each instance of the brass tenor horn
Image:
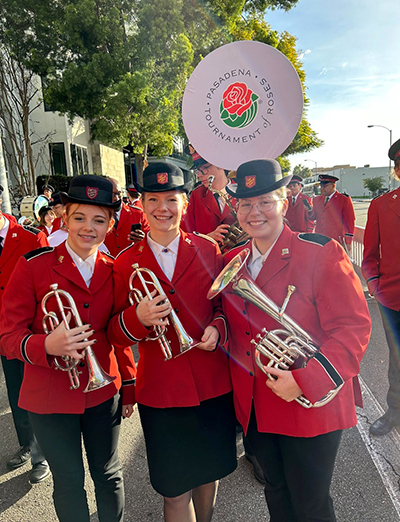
(159, 332)
(290, 346)
(97, 376)
(234, 235)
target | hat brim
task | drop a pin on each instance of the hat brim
(250, 193)
(65, 198)
(182, 188)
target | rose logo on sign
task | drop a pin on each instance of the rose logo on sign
(238, 106)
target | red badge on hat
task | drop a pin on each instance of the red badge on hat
(250, 181)
(162, 178)
(92, 192)
(397, 155)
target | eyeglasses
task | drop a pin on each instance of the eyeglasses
(263, 205)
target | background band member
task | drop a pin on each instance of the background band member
(58, 208)
(46, 220)
(207, 212)
(134, 196)
(333, 212)
(381, 271)
(296, 447)
(299, 207)
(16, 241)
(60, 416)
(48, 191)
(121, 235)
(185, 403)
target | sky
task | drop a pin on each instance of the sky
(350, 53)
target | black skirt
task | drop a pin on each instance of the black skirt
(189, 447)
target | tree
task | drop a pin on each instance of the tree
(303, 172)
(124, 63)
(373, 184)
(19, 89)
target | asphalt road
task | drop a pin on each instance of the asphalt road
(365, 486)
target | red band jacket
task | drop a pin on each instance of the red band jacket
(19, 241)
(117, 239)
(329, 305)
(196, 375)
(382, 248)
(298, 215)
(203, 213)
(335, 219)
(44, 389)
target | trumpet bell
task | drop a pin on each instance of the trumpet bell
(229, 273)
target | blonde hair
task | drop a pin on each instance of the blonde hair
(107, 210)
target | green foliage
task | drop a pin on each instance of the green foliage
(373, 184)
(124, 64)
(59, 182)
(304, 172)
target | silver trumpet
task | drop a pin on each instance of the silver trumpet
(159, 332)
(290, 347)
(97, 376)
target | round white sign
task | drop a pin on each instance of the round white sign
(243, 101)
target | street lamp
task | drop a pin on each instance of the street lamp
(390, 138)
(316, 168)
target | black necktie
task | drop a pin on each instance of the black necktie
(326, 199)
(116, 221)
(1, 244)
(293, 201)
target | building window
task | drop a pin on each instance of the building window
(80, 162)
(57, 158)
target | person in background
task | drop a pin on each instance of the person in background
(48, 191)
(381, 271)
(207, 212)
(46, 219)
(61, 411)
(58, 209)
(295, 446)
(185, 403)
(299, 207)
(134, 196)
(15, 241)
(121, 235)
(334, 212)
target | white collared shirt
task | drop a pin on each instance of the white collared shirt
(4, 230)
(328, 198)
(85, 266)
(257, 259)
(166, 256)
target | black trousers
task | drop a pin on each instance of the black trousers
(298, 472)
(59, 435)
(391, 324)
(14, 374)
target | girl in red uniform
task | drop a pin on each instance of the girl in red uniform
(46, 219)
(185, 403)
(61, 416)
(296, 447)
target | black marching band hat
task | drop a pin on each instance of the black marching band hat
(90, 189)
(394, 151)
(296, 179)
(43, 210)
(327, 178)
(132, 188)
(56, 199)
(257, 177)
(198, 161)
(47, 187)
(161, 176)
